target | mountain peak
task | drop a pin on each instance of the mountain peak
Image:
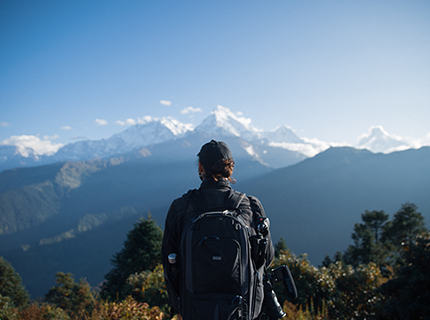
(379, 140)
(177, 128)
(223, 121)
(283, 134)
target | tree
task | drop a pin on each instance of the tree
(341, 290)
(368, 240)
(280, 246)
(408, 294)
(338, 257)
(406, 225)
(141, 251)
(375, 220)
(70, 296)
(11, 285)
(149, 287)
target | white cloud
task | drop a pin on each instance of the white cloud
(418, 143)
(32, 145)
(66, 128)
(5, 124)
(101, 122)
(310, 147)
(426, 140)
(128, 122)
(166, 102)
(190, 110)
(54, 137)
(145, 119)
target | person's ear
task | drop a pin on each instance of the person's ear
(201, 171)
(201, 168)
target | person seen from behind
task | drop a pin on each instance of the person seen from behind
(206, 251)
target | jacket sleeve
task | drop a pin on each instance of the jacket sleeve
(258, 211)
(171, 241)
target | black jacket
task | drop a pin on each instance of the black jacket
(215, 194)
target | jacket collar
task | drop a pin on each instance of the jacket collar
(211, 183)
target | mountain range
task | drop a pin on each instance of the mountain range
(73, 216)
(265, 146)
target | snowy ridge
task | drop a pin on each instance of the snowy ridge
(276, 148)
(147, 132)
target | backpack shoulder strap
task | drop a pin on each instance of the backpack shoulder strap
(234, 199)
(198, 202)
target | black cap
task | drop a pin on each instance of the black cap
(212, 152)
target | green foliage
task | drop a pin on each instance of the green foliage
(280, 246)
(335, 290)
(128, 309)
(12, 291)
(103, 310)
(294, 312)
(141, 251)
(406, 225)
(69, 295)
(149, 287)
(356, 295)
(408, 294)
(338, 257)
(313, 286)
(7, 309)
(341, 291)
(368, 245)
(43, 312)
(379, 240)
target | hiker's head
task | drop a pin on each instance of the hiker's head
(215, 161)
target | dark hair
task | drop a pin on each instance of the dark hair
(222, 169)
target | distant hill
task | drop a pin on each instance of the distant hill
(314, 204)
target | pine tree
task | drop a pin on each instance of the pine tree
(368, 245)
(406, 225)
(280, 246)
(141, 251)
(70, 296)
(408, 295)
(11, 285)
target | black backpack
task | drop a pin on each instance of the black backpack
(219, 280)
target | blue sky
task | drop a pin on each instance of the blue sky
(328, 69)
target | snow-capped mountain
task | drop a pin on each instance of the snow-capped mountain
(282, 134)
(277, 148)
(224, 122)
(19, 156)
(149, 131)
(379, 140)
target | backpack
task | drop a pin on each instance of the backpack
(219, 280)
